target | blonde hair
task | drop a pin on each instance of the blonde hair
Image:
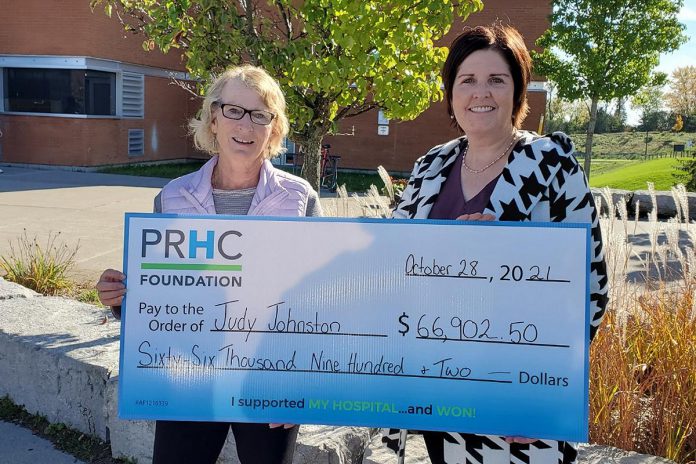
(256, 79)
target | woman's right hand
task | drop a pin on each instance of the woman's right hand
(476, 217)
(111, 287)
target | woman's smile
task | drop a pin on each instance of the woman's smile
(481, 109)
(242, 141)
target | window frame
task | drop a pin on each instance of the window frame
(83, 63)
(112, 101)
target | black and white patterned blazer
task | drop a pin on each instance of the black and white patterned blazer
(541, 182)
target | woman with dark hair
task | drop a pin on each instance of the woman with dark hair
(496, 171)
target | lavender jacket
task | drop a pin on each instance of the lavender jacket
(277, 194)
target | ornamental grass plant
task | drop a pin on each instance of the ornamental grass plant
(40, 266)
(643, 359)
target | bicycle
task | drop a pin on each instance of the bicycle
(329, 169)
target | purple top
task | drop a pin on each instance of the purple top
(450, 204)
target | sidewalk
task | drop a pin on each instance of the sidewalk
(86, 208)
(19, 446)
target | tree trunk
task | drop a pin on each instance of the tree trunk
(590, 135)
(312, 160)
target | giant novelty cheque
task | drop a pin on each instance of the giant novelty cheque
(425, 325)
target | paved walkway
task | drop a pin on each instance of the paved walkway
(19, 446)
(86, 208)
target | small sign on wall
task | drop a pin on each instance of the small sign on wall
(382, 130)
(381, 119)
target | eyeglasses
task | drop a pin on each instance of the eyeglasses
(235, 112)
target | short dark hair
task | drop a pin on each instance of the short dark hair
(507, 41)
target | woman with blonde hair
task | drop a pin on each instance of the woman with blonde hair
(242, 124)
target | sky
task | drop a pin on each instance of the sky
(684, 56)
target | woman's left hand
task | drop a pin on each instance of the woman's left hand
(285, 426)
(476, 217)
(521, 440)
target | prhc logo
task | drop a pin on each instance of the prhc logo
(178, 242)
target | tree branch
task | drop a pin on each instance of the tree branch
(360, 109)
(286, 19)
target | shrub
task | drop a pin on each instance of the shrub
(88, 295)
(643, 360)
(687, 169)
(643, 376)
(40, 267)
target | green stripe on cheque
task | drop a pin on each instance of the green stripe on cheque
(191, 267)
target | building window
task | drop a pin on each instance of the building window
(288, 156)
(59, 91)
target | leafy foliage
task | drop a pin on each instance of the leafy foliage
(334, 59)
(599, 50)
(608, 122)
(655, 121)
(648, 99)
(681, 96)
(688, 173)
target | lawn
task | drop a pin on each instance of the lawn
(168, 171)
(603, 165)
(618, 161)
(355, 181)
(635, 175)
(628, 174)
(631, 145)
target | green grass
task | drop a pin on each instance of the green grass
(168, 171)
(614, 172)
(618, 161)
(358, 182)
(84, 447)
(636, 175)
(603, 165)
(355, 181)
(83, 292)
(631, 145)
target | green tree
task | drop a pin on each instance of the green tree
(681, 96)
(600, 50)
(334, 58)
(607, 121)
(649, 101)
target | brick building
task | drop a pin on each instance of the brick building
(75, 90)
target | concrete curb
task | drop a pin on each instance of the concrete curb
(56, 357)
(59, 358)
(666, 206)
